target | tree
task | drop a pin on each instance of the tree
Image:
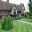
(30, 7)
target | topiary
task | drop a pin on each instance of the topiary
(7, 23)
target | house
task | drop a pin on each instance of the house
(7, 8)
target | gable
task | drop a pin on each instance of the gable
(14, 10)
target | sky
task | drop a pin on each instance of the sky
(25, 2)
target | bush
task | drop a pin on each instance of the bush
(17, 17)
(27, 15)
(30, 17)
(7, 23)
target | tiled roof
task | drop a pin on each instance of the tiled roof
(20, 7)
(8, 6)
(5, 5)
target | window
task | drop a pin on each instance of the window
(10, 11)
(14, 11)
(19, 12)
(22, 14)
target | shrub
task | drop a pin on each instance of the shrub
(7, 23)
(17, 17)
(30, 17)
(27, 15)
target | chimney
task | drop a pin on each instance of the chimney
(8, 1)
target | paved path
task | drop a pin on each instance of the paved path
(23, 21)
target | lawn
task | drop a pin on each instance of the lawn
(27, 20)
(19, 27)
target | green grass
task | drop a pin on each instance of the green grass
(27, 20)
(19, 26)
(22, 27)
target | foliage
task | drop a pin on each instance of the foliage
(26, 15)
(7, 23)
(8, 18)
(30, 7)
(17, 17)
(30, 0)
(30, 17)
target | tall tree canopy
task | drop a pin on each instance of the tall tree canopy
(30, 6)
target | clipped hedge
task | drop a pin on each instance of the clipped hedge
(7, 23)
